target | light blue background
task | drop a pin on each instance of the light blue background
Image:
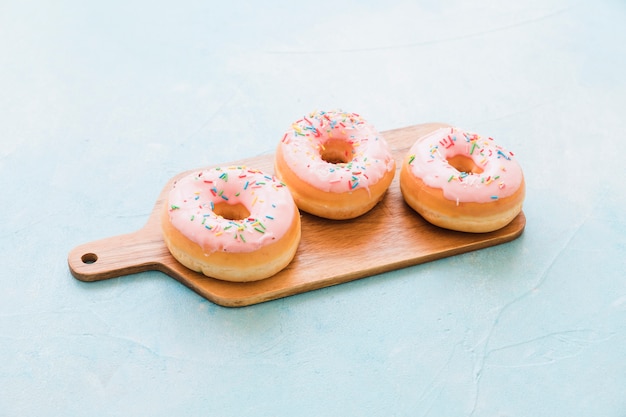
(101, 103)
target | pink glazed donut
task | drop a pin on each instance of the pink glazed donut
(231, 223)
(462, 181)
(336, 165)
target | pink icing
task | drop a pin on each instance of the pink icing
(303, 143)
(193, 197)
(501, 175)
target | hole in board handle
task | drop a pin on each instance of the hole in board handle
(89, 258)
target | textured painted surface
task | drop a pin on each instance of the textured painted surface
(101, 105)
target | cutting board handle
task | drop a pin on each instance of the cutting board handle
(118, 255)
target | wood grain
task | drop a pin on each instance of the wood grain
(330, 253)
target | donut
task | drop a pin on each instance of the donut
(231, 223)
(461, 181)
(336, 165)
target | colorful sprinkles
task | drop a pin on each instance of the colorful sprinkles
(201, 202)
(490, 162)
(314, 133)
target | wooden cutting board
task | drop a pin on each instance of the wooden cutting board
(330, 252)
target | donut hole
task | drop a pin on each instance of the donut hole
(465, 164)
(231, 211)
(336, 151)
